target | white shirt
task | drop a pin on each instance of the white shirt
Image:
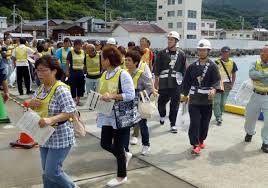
(29, 53)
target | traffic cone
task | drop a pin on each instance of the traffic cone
(3, 115)
(25, 141)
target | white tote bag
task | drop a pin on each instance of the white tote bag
(146, 107)
(183, 117)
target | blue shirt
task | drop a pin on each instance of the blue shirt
(128, 94)
(58, 55)
(3, 70)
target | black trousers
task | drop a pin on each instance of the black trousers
(77, 83)
(200, 116)
(113, 140)
(23, 74)
(172, 95)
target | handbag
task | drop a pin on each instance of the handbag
(146, 107)
(78, 124)
(126, 112)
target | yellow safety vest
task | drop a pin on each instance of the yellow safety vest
(43, 109)
(64, 55)
(21, 54)
(146, 56)
(78, 60)
(48, 52)
(109, 85)
(258, 85)
(93, 65)
(136, 78)
(229, 67)
(142, 66)
(9, 51)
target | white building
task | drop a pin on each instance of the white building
(3, 23)
(183, 16)
(240, 34)
(208, 28)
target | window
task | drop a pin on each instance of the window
(191, 26)
(160, 7)
(203, 24)
(192, 13)
(179, 1)
(170, 25)
(159, 18)
(241, 35)
(179, 25)
(171, 13)
(179, 13)
(211, 25)
(191, 36)
(171, 2)
(248, 36)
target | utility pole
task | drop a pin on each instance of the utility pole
(105, 12)
(47, 17)
(14, 15)
(242, 20)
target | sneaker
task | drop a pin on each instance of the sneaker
(248, 138)
(219, 122)
(162, 120)
(196, 150)
(145, 150)
(134, 140)
(202, 145)
(115, 182)
(128, 157)
(174, 130)
(30, 92)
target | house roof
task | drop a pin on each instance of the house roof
(33, 28)
(142, 28)
(9, 29)
(84, 19)
(64, 26)
(61, 21)
(36, 23)
(99, 21)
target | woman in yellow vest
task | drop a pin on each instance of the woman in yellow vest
(141, 83)
(93, 68)
(76, 60)
(113, 139)
(54, 103)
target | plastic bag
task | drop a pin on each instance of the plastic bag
(183, 118)
(146, 106)
(245, 91)
(79, 125)
(13, 77)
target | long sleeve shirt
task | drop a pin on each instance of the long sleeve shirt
(211, 79)
(258, 75)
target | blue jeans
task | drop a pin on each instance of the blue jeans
(144, 132)
(92, 84)
(53, 175)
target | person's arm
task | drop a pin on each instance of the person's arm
(157, 71)
(68, 62)
(5, 90)
(146, 83)
(216, 78)
(187, 82)
(58, 54)
(256, 75)
(14, 58)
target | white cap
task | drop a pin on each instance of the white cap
(111, 41)
(204, 44)
(174, 34)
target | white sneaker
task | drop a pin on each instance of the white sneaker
(128, 157)
(145, 150)
(114, 182)
(174, 130)
(134, 140)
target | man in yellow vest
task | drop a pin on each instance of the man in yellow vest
(258, 102)
(47, 50)
(227, 69)
(76, 60)
(20, 60)
(93, 68)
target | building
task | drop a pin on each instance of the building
(208, 28)
(239, 34)
(260, 34)
(59, 31)
(91, 24)
(3, 23)
(183, 16)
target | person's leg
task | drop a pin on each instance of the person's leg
(174, 106)
(72, 85)
(96, 84)
(144, 132)
(107, 134)
(217, 106)
(80, 86)
(195, 117)
(19, 79)
(264, 131)
(27, 79)
(206, 113)
(126, 140)
(253, 110)
(136, 131)
(162, 101)
(53, 167)
(43, 153)
(224, 100)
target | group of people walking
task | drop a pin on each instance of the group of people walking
(121, 74)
